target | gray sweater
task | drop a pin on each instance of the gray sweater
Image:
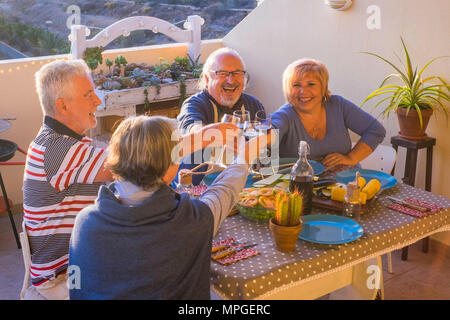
(159, 249)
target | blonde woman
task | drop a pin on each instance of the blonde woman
(141, 239)
(313, 114)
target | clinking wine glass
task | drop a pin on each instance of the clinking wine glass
(244, 115)
(227, 118)
(264, 128)
(251, 131)
(265, 120)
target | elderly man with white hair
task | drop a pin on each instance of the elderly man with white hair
(63, 172)
(222, 83)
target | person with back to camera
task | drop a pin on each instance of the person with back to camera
(141, 239)
(321, 119)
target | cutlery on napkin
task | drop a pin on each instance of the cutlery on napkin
(408, 204)
(230, 251)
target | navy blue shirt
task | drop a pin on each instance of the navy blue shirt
(159, 249)
(199, 108)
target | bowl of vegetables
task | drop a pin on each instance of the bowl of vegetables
(257, 204)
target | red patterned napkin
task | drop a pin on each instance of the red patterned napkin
(398, 207)
(224, 242)
(232, 258)
(238, 256)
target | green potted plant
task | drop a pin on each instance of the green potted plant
(414, 99)
(286, 225)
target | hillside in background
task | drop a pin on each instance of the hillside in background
(37, 28)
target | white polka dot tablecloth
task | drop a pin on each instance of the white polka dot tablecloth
(383, 228)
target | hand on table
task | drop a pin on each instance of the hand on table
(335, 159)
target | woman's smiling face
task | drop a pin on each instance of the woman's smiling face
(306, 92)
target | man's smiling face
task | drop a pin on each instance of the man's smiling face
(226, 89)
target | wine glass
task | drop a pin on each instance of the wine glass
(264, 128)
(227, 118)
(244, 115)
(251, 129)
(265, 119)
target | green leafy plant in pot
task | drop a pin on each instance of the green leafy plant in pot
(415, 99)
(286, 225)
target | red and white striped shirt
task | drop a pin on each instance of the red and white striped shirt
(58, 183)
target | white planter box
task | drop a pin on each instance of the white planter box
(123, 102)
(115, 100)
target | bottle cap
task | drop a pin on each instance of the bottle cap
(303, 147)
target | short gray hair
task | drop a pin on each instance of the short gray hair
(209, 64)
(53, 81)
(140, 150)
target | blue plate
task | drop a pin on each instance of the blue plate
(209, 179)
(387, 181)
(329, 229)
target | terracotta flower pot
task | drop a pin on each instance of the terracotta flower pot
(410, 123)
(285, 237)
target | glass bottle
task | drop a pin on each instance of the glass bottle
(351, 207)
(302, 177)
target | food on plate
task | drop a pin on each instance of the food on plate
(265, 197)
(267, 202)
(257, 204)
(361, 182)
(249, 201)
(338, 194)
(371, 188)
(266, 192)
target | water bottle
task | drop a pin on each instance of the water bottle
(302, 177)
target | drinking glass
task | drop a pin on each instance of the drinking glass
(265, 119)
(243, 115)
(227, 118)
(264, 128)
(251, 129)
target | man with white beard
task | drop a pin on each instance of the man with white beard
(222, 83)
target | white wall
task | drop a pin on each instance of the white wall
(280, 31)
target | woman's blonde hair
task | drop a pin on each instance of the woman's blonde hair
(140, 150)
(298, 69)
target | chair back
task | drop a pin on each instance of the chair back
(26, 253)
(383, 159)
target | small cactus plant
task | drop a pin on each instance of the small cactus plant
(288, 208)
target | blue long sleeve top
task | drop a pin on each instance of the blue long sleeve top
(342, 115)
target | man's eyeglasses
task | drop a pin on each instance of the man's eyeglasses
(234, 74)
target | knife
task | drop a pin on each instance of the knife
(409, 205)
(324, 183)
(224, 246)
(232, 250)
